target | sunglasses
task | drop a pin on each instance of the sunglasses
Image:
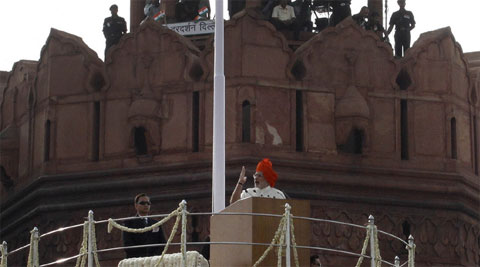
(144, 203)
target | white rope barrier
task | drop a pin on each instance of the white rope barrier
(280, 240)
(81, 261)
(4, 254)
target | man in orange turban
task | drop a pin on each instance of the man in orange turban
(264, 180)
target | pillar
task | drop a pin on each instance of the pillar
(377, 6)
(136, 13)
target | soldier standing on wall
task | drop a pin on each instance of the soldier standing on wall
(404, 22)
(340, 11)
(114, 28)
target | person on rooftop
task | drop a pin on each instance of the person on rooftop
(114, 28)
(361, 17)
(340, 11)
(152, 10)
(283, 18)
(375, 25)
(303, 12)
(404, 22)
(264, 179)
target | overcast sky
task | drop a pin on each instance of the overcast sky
(25, 24)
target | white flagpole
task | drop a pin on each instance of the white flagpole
(218, 168)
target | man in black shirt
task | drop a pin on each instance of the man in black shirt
(361, 17)
(404, 22)
(114, 28)
(142, 205)
(375, 25)
(340, 11)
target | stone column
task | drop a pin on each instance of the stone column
(377, 6)
(136, 13)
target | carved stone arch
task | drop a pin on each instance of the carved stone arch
(451, 127)
(14, 97)
(474, 93)
(403, 79)
(146, 113)
(196, 70)
(5, 179)
(73, 63)
(96, 80)
(246, 106)
(475, 86)
(439, 64)
(352, 116)
(253, 48)
(9, 151)
(340, 56)
(145, 127)
(152, 56)
(298, 70)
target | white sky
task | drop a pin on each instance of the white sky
(25, 24)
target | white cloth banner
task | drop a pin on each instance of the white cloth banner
(193, 27)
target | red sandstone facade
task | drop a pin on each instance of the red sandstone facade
(346, 125)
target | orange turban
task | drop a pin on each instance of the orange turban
(265, 166)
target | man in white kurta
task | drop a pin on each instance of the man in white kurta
(264, 179)
(268, 192)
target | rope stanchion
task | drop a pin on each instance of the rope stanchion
(4, 254)
(179, 211)
(294, 243)
(378, 258)
(183, 237)
(371, 229)
(411, 252)
(82, 260)
(279, 239)
(287, 242)
(397, 261)
(33, 260)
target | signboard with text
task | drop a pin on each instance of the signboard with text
(193, 27)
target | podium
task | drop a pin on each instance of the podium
(257, 229)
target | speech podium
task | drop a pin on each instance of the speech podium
(256, 229)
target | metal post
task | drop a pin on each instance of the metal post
(184, 234)
(4, 254)
(397, 261)
(386, 14)
(90, 239)
(371, 223)
(35, 247)
(287, 234)
(411, 252)
(218, 167)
